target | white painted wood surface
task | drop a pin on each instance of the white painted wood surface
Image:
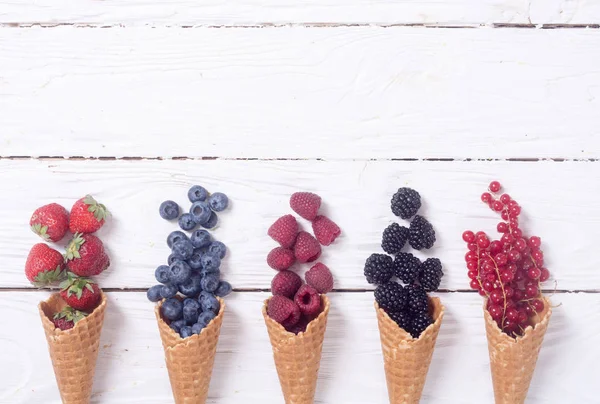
(335, 93)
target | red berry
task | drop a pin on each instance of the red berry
(482, 292)
(518, 294)
(468, 236)
(494, 186)
(544, 275)
(284, 231)
(489, 267)
(472, 247)
(320, 278)
(507, 238)
(512, 203)
(517, 233)
(509, 292)
(495, 246)
(286, 283)
(495, 311)
(527, 264)
(498, 206)
(529, 310)
(515, 210)
(523, 317)
(307, 248)
(280, 258)
(512, 268)
(306, 204)
(506, 276)
(487, 286)
(472, 274)
(534, 273)
(504, 215)
(471, 265)
(538, 305)
(520, 244)
(531, 291)
(474, 284)
(491, 277)
(50, 222)
(486, 197)
(283, 310)
(497, 296)
(512, 314)
(535, 242)
(325, 230)
(505, 199)
(471, 256)
(513, 222)
(514, 256)
(538, 256)
(483, 242)
(308, 300)
(519, 275)
(502, 227)
(501, 259)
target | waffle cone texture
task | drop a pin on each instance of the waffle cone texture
(190, 361)
(73, 352)
(406, 359)
(513, 360)
(298, 357)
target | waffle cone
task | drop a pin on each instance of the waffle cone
(298, 357)
(512, 360)
(406, 359)
(73, 352)
(190, 361)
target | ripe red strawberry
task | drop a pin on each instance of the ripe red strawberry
(44, 265)
(86, 256)
(320, 278)
(307, 248)
(80, 293)
(325, 230)
(284, 231)
(306, 204)
(283, 310)
(67, 318)
(286, 283)
(281, 258)
(50, 222)
(308, 300)
(87, 215)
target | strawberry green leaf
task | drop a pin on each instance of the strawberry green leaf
(41, 231)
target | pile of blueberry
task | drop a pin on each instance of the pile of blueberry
(192, 279)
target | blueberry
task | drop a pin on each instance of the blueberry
(192, 302)
(210, 262)
(183, 248)
(176, 325)
(197, 193)
(205, 317)
(195, 261)
(197, 328)
(179, 272)
(218, 249)
(186, 222)
(223, 289)
(193, 286)
(190, 314)
(200, 212)
(210, 282)
(212, 221)
(200, 238)
(169, 290)
(176, 236)
(169, 210)
(218, 201)
(186, 331)
(162, 274)
(153, 293)
(172, 309)
(209, 302)
(174, 257)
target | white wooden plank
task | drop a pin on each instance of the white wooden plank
(558, 199)
(346, 92)
(252, 12)
(131, 366)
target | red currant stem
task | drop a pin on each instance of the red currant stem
(479, 273)
(502, 286)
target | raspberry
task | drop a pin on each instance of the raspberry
(320, 278)
(284, 231)
(308, 300)
(283, 310)
(419, 323)
(394, 238)
(430, 274)
(417, 299)
(325, 230)
(307, 248)
(391, 296)
(406, 267)
(300, 326)
(379, 268)
(402, 318)
(280, 258)
(306, 204)
(406, 203)
(286, 283)
(421, 234)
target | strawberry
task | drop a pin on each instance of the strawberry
(87, 215)
(50, 222)
(284, 231)
(80, 293)
(281, 258)
(67, 318)
(307, 248)
(325, 230)
(86, 256)
(306, 204)
(44, 265)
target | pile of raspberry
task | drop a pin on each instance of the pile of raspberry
(295, 304)
(508, 271)
(408, 304)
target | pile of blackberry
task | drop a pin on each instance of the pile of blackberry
(407, 302)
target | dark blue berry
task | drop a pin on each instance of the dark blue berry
(193, 286)
(200, 212)
(162, 274)
(172, 309)
(175, 236)
(190, 314)
(169, 290)
(176, 325)
(179, 272)
(200, 238)
(174, 257)
(212, 221)
(210, 282)
(210, 262)
(205, 317)
(223, 289)
(186, 331)
(218, 249)
(153, 293)
(183, 248)
(169, 210)
(197, 328)
(209, 302)
(192, 302)
(197, 193)
(195, 261)
(218, 201)
(186, 222)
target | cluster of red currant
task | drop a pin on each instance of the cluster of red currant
(507, 271)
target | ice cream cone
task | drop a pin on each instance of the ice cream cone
(298, 357)
(512, 360)
(73, 352)
(190, 361)
(406, 359)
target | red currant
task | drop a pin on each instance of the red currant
(496, 296)
(520, 244)
(486, 197)
(495, 312)
(529, 310)
(472, 247)
(531, 291)
(514, 256)
(474, 284)
(487, 286)
(513, 222)
(504, 215)
(468, 236)
(471, 265)
(534, 273)
(505, 199)
(519, 276)
(497, 206)
(501, 259)
(495, 246)
(512, 314)
(512, 203)
(538, 305)
(509, 292)
(517, 233)
(472, 274)
(491, 277)
(538, 255)
(471, 256)
(512, 268)
(507, 238)
(527, 264)
(518, 294)
(483, 242)
(535, 241)
(515, 210)
(506, 276)
(523, 317)
(495, 186)
(502, 227)
(544, 275)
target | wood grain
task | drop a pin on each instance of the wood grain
(558, 201)
(295, 92)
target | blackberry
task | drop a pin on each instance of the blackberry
(430, 274)
(394, 238)
(419, 323)
(406, 267)
(379, 268)
(391, 296)
(421, 234)
(417, 299)
(406, 203)
(402, 318)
